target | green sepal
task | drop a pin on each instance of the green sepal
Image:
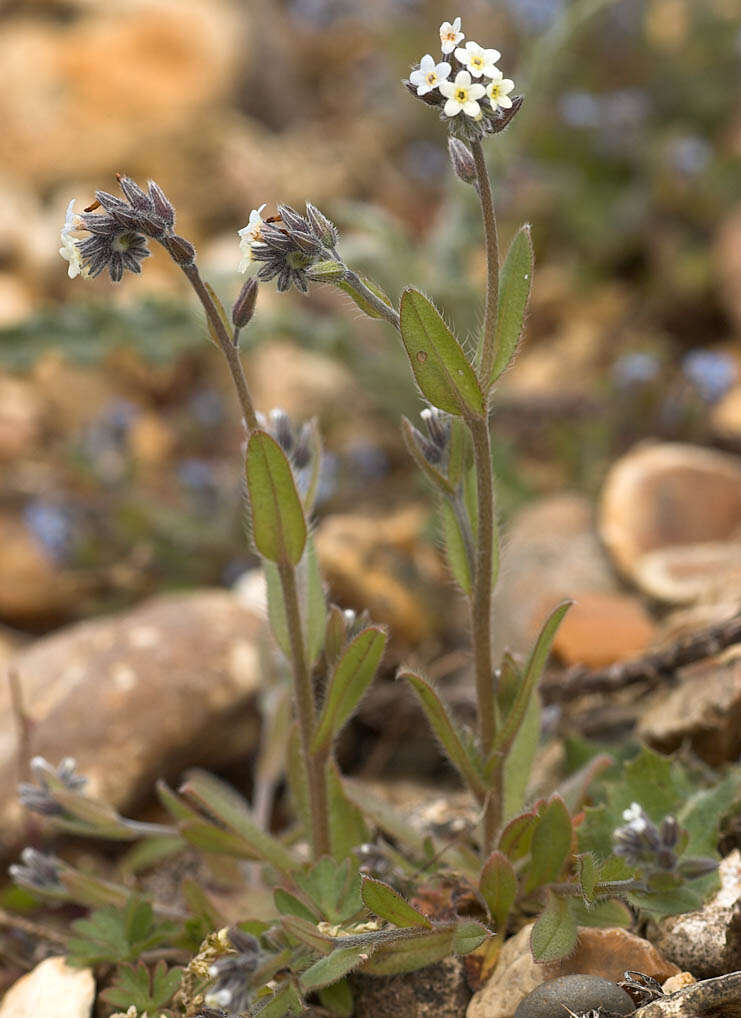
(277, 515)
(440, 367)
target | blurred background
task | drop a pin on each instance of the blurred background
(119, 439)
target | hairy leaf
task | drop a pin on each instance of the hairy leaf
(388, 904)
(498, 887)
(352, 675)
(515, 283)
(278, 523)
(555, 932)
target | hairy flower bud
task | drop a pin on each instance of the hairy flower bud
(182, 250)
(462, 160)
(328, 271)
(322, 228)
(162, 206)
(244, 305)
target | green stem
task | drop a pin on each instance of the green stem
(481, 618)
(316, 764)
(483, 186)
(226, 342)
(386, 312)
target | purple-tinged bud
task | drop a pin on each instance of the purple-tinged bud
(182, 250)
(323, 229)
(244, 305)
(292, 220)
(462, 160)
(669, 832)
(137, 198)
(506, 117)
(162, 206)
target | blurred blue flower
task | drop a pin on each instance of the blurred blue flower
(635, 369)
(712, 374)
(51, 523)
(207, 406)
(690, 155)
(579, 109)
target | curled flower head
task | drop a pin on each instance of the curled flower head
(644, 844)
(231, 973)
(478, 60)
(40, 797)
(498, 90)
(429, 75)
(461, 95)
(450, 35)
(249, 235)
(38, 872)
(288, 245)
(70, 249)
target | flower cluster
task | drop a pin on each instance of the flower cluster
(659, 849)
(231, 973)
(471, 92)
(118, 233)
(38, 872)
(40, 797)
(288, 245)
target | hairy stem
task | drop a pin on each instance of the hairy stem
(386, 312)
(481, 617)
(315, 763)
(483, 186)
(226, 342)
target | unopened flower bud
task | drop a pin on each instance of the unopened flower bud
(462, 160)
(327, 271)
(162, 206)
(322, 228)
(244, 305)
(182, 250)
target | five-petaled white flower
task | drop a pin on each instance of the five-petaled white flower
(479, 60)
(429, 74)
(249, 235)
(461, 95)
(498, 91)
(450, 35)
(70, 249)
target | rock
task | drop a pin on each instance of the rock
(670, 516)
(708, 942)
(138, 695)
(704, 710)
(438, 991)
(719, 998)
(578, 993)
(21, 417)
(550, 552)
(725, 417)
(52, 988)
(33, 587)
(600, 952)
(382, 565)
(603, 628)
(678, 982)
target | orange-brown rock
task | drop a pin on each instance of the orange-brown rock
(671, 518)
(600, 952)
(33, 586)
(602, 628)
(136, 696)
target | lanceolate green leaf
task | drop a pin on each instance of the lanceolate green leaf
(388, 904)
(456, 547)
(352, 675)
(445, 730)
(531, 678)
(468, 935)
(551, 845)
(313, 603)
(498, 887)
(227, 805)
(411, 949)
(278, 523)
(554, 933)
(346, 825)
(334, 966)
(439, 364)
(515, 283)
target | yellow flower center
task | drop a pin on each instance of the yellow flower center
(477, 61)
(431, 78)
(496, 91)
(461, 94)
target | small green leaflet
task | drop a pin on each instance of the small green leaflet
(278, 523)
(515, 283)
(146, 991)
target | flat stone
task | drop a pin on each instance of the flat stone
(600, 952)
(53, 988)
(704, 710)
(137, 695)
(578, 993)
(600, 629)
(708, 942)
(552, 550)
(670, 516)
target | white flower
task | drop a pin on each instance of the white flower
(70, 249)
(498, 91)
(461, 95)
(478, 60)
(451, 35)
(249, 235)
(634, 812)
(429, 74)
